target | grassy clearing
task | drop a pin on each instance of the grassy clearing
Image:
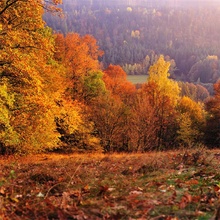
(171, 185)
(137, 78)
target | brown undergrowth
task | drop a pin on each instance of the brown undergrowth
(162, 185)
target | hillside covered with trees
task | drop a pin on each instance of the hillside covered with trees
(55, 94)
(134, 33)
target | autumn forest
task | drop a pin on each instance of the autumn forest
(78, 140)
(64, 92)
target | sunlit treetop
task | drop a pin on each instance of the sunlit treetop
(159, 74)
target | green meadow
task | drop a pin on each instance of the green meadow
(137, 78)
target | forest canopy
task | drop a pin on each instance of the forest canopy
(63, 92)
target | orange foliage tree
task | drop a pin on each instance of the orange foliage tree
(116, 82)
(111, 111)
(80, 55)
(109, 117)
(143, 121)
(27, 70)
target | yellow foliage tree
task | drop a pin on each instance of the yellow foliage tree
(8, 136)
(163, 94)
(159, 74)
(191, 121)
(26, 68)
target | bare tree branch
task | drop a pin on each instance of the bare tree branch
(8, 4)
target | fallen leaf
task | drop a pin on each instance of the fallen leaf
(217, 188)
(65, 201)
(186, 199)
(86, 189)
(2, 191)
(40, 195)
(135, 192)
(111, 189)
(103, 190)
(192, 182)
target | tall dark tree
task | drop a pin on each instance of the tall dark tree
(212, 134)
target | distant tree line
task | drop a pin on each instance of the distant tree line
(133, 37)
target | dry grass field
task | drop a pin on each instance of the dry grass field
(163, 185)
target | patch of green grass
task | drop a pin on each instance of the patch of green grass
(135, 79)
